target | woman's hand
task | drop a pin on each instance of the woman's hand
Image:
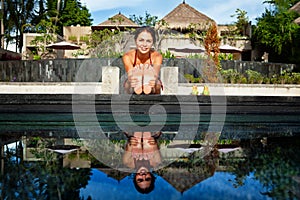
(133, 141)
(151, 82)
(133, 81)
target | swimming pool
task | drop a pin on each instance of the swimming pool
(50, 153)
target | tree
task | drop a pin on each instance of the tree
(68, 13)
(211, 44)
(277, 33)
(24, 16)
(148, 20)
(242, 21)
(47, 30)
(16, 15)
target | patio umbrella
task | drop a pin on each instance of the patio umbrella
(63, 149)
(63, 46)
(229, 49)
(190, 48)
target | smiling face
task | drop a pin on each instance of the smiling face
(144, 42)
(143, 178)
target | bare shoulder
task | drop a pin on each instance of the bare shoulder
(156, 56)
(128, 57)
(129, 54)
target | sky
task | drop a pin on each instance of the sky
(218, 10)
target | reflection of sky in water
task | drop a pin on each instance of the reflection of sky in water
(217, 187)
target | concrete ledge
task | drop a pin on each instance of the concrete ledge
(183, 89)
(242, 89)
(50, 88)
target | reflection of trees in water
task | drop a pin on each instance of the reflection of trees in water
(40, 179)
(275, 165)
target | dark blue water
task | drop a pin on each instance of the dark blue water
(256, 169)
(255, 157)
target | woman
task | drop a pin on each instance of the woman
(142, 154)
(142, 64)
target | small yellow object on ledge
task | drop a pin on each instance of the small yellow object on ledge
(205, 90)
(195, 90)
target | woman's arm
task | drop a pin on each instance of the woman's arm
(157, 61)
(128, 65)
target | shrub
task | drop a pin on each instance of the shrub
(72, 38)
(191, 79)
(296, 78)
(230, 76)
(254, 76)
(167, 54)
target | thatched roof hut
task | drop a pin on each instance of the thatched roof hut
(296, 8)
(117, 21)
(183, 15)
(183, 179)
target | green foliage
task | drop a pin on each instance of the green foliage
(254, 76)
(72, 38)
(296, 77)
(277, 33)
(229, 75)
(195, 31)
(28, 15)
(242, 21)
(191, 79)
(167, 54)
(197, 56)
(84, 39)
(148, 20)
(16, 15)
(47, 30)
(70, 12)
(103, 43)
(225, 56)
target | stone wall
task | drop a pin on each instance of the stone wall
(67, 70)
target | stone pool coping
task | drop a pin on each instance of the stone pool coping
(183, 88)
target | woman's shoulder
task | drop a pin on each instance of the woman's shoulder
(129, 53)
(156, 54)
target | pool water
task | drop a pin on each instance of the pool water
(39, 167)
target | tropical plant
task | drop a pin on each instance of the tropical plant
(47, 36)
(254, 76)
(242, 21)
(148, 20)
(24, 16)
(17, 15)
(212, 43)
(277, 33)
(225, 56)
(167, 54)
(197, 56)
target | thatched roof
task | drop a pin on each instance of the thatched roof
(183, 15)
(118, 20)
(296, 7)
(183, 179)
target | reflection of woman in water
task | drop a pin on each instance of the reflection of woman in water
(142, 64)
(142, 154)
